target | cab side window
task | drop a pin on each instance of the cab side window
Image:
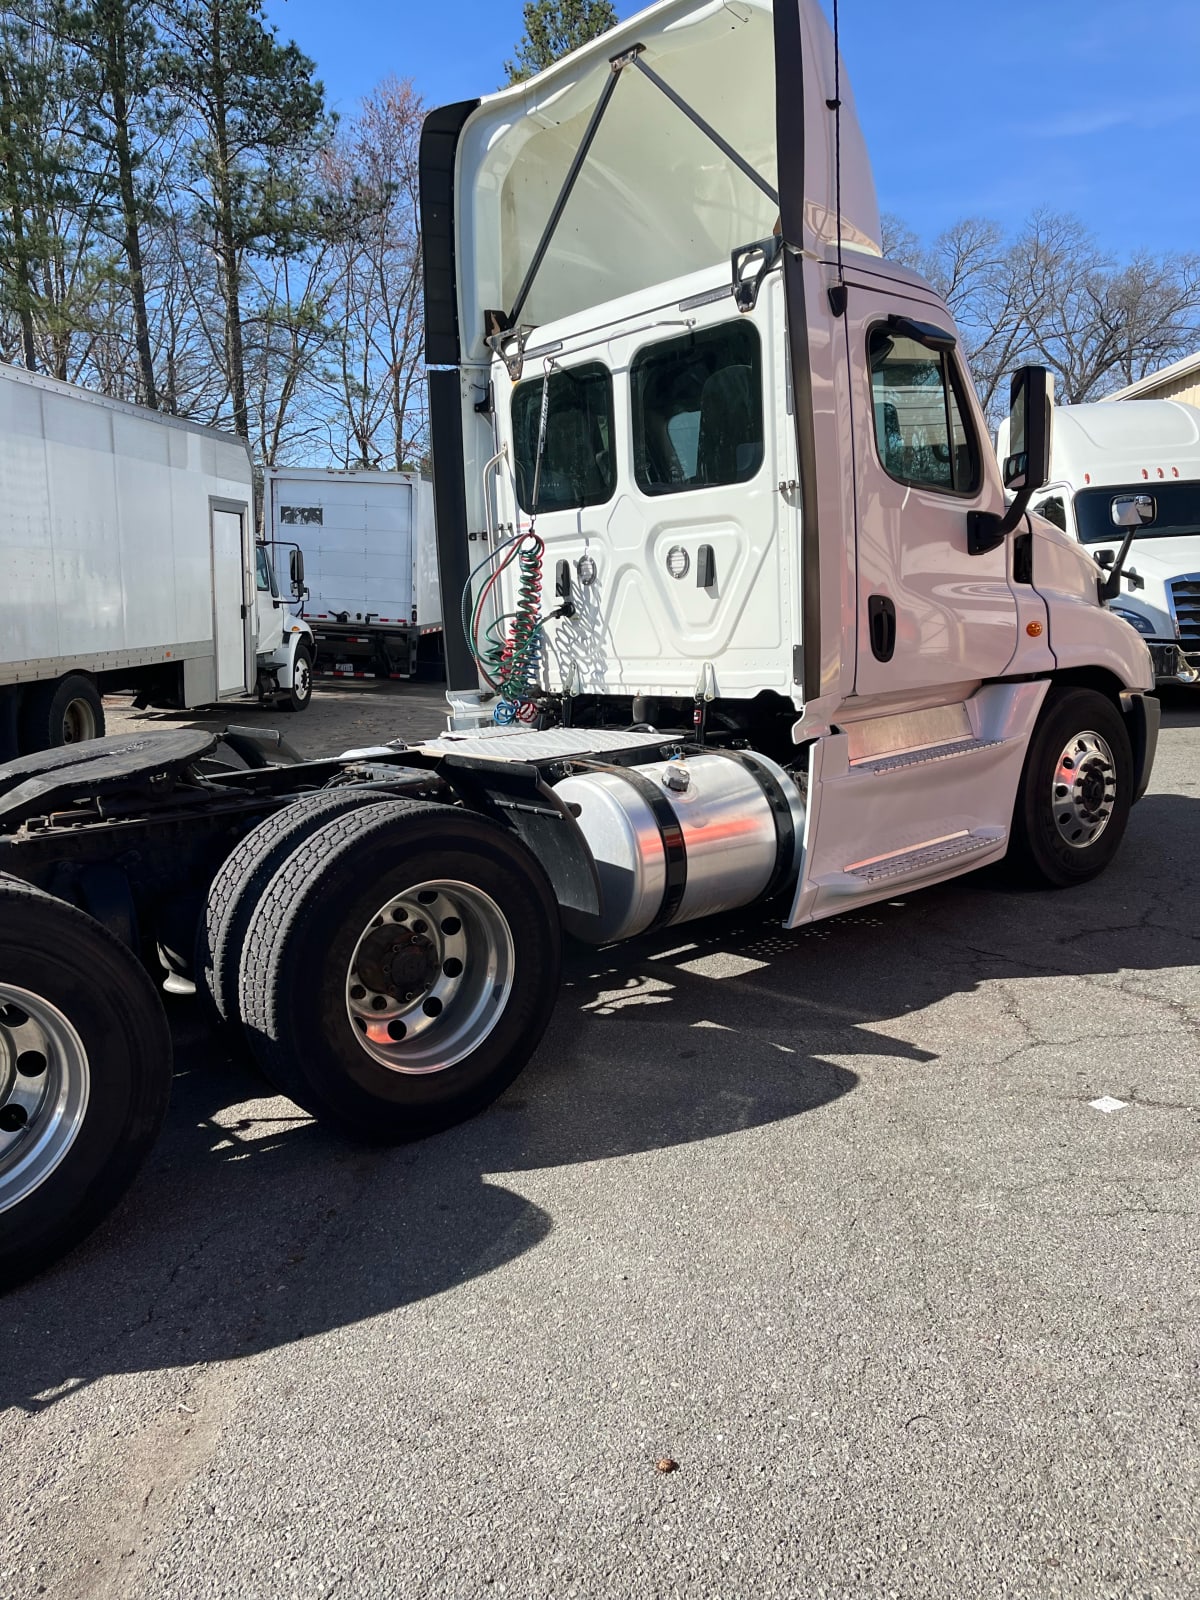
(922, 431)
(698, 410)
(577, 467)
(265, 572)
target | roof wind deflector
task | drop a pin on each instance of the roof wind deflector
(496, 336)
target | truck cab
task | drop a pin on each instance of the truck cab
(284, 641)
(723, 465)
(1141, 459)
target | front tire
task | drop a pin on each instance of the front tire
(1076, 790)
(85, 1075)
(297, 697)
(400, 969)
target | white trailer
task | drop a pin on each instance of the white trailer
(128, 561)
(1134, 469)
(370, 566)
(751, 624)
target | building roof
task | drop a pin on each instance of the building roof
(1177, 369)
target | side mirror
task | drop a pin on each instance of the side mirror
(1029, 409)
(1132, 510)
(296, 571)
(1027, 466)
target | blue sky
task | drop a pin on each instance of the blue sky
(970, 108)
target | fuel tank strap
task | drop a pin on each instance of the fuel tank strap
(674, 848)
(785, 827)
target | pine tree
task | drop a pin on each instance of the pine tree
(554, 27)
(257, 115)
(120, 57)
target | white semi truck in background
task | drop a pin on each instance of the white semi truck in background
(1132, 471)
(128, 562)
(748, 628)
(370, 566)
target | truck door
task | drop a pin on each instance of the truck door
(233, 617)
(929, 613)
(270, 613)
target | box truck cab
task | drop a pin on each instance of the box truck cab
(1138, 459)
(736, 612)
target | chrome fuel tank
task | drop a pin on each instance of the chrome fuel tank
(676, 840)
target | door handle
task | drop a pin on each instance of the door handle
(881, 621)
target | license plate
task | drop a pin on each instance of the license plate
(344, 666)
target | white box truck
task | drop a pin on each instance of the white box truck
(128, 562)
(370, 564)
(749, 625)
(1128, 476)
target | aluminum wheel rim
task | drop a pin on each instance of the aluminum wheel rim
(79, 722)
(301, 677)
(1084, 790)
(430, 976)
(44, 1086)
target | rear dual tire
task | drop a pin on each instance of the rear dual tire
(65, 712)
(399, 967)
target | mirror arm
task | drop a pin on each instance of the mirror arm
(986, 530)
(1110, 588)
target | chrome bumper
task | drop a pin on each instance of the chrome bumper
(1172, 666)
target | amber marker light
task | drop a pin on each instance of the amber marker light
(1033, 629)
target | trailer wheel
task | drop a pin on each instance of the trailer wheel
(243, 877)
(300, 693)
(66, 712)
(85, 1075)
(1076, 790)
(401, 968)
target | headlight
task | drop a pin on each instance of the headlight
(1135, 620)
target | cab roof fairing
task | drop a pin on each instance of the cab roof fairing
(655, 198)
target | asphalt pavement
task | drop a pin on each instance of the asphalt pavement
(826, 1222)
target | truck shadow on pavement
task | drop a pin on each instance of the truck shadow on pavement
(252, 1227)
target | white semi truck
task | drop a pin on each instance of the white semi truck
(739, 624)
(371, 580)
(128, 562)
(1133, 471)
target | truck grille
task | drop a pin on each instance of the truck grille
(1185, 598)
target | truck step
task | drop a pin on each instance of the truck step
(905, 759)
(923, 857)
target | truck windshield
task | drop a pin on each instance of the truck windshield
(1176, 512)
